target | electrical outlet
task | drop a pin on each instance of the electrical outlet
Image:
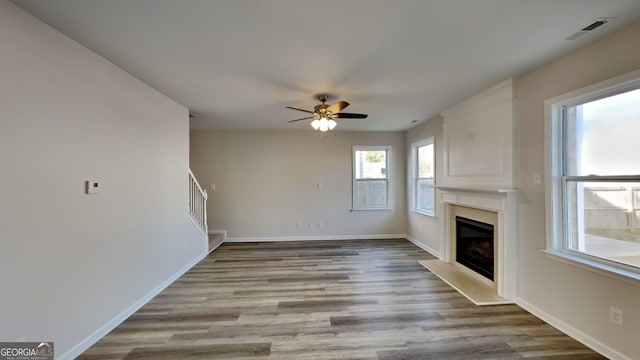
(616, 316)
(299, 225)
(310, 225)
(320, 224)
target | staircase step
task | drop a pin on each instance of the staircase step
(215, 240)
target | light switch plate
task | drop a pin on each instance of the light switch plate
(536, 179)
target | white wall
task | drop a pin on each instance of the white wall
(424, 230)
(479, 140)
(267, 182)
(574, 299)
(71, 263)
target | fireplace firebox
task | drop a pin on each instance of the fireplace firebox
(474, 246)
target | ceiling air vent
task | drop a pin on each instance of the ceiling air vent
(595, 24)
(585, 30)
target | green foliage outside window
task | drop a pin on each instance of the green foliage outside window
(375, 156)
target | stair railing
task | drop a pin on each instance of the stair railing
(198, 203)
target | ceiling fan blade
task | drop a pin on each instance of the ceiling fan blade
(303, 110)
(304, 118)
(337, 107)
(350, 116)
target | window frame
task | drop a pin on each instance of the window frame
(557, 228)
(414, 176)
(355, 180)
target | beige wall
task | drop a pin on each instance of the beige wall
(573, 298)
(267, 181)
(74, 265)
(422, 229)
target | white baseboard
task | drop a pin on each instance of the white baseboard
(572, 331)
(81, 347)
(424, 247)
(312, 238)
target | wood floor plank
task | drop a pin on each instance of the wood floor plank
(351, 299)
(201, 351)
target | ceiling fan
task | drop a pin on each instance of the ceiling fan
(323, 115)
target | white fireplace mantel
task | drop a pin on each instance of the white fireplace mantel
(500, 200)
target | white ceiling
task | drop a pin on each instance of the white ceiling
(237, 63)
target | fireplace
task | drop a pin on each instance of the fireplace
(494, 209)
(474, 246)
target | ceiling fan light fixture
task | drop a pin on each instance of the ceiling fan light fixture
(324, 124)
(323, 115)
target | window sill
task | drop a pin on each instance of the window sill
(433, 215)
(614, 272)
(373, 209)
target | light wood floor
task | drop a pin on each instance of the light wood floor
(326, 300)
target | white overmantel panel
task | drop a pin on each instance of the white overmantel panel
(503, 201)
(479, 140)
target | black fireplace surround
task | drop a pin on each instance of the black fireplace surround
(474, 246)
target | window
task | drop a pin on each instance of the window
(596, 177)
(422, 173)
(371, 177)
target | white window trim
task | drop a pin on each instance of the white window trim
(387, 148)
(413, 170)
(554, 212)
